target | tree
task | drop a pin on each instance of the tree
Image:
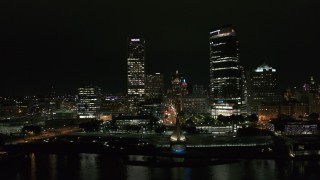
(160, 129)
(283, 116)
(238, 119)
(207, 120)
(90, 126)
(252, 118)
(250, 131)
(191, 129)
(221, 118)
(32, 129)
(189, 122)
(313, 116)
(2, 139)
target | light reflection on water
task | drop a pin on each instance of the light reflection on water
(96, 167)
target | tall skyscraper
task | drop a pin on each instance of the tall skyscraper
(136, 73)
(262, 88)
(225, 72)
(89, 102)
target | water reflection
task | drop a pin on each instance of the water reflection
(52, 167)
(33, 167)
(88, 166)
(95, 167)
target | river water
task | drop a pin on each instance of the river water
(98, 167)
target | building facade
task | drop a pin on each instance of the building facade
(194, 104)
(136, 73)
(154, 86)
(225, 72)
(262, 88)
(89, 102)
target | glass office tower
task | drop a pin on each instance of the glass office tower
(225, 72)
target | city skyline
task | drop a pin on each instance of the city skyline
(50, 44)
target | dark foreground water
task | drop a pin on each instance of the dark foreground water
(94, 166)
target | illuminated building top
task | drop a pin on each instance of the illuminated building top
(135, 40)
(262, 88)
(228, 31)
(264, 67)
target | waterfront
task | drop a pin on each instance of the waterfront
(38, 166)
(81, 155)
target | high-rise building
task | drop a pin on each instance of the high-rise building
(196, 102)
(154, 86)
(225, 72)
(179, 84)
(262, 88)
(136, 73)
(154, 104)
(89, 102)
(198, 89)
(309, 94)
(178, 90)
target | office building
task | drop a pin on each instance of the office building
(225, 72)
(89, 102)
(136, 73)
(262, 88)
(154, 86)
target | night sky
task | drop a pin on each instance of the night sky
(71, 43)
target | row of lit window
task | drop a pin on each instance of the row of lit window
(225, 68)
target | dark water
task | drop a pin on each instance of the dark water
(93, 166)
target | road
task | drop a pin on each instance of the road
(49, 133)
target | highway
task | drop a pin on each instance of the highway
(48, 133)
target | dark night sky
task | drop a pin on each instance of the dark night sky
(71, 43)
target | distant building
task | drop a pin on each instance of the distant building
(139, 122)
(294, 127)
(290, 107)
(179, 86)
(64, 114)
(225, 72)
(267, 112)
(136, 73)
(262, 88)
(89, 102)
(69, 103)
(302, 101)
(194, 104)
(309, 94)
(113, 104)
(244, 92)
(179, 89)
(198, 89)
(154, 86)
(295, 110)
(154, 107)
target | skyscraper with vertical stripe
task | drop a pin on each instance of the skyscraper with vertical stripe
(225, 72)
(136, 72)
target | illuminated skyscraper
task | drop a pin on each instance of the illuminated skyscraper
(225, 72)
(136, 73)
(154, 86)
(89, 102)
(262, 88)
